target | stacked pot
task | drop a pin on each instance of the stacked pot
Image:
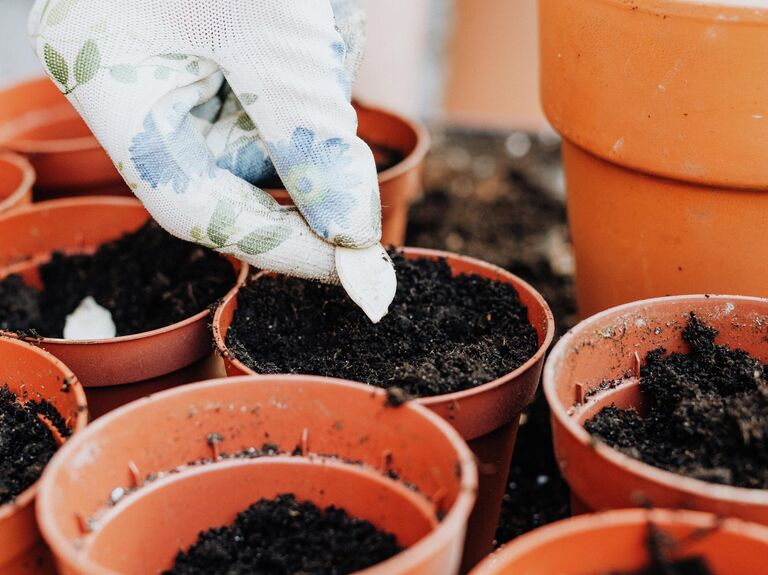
(662, 109)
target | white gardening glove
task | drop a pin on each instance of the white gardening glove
(154, 80)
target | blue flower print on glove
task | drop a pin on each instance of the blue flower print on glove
(319, 176)
(169, 158)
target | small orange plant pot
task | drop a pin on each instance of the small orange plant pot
(665, 144)
(606, 347)
(16, 180)
(400, 184)
(486, 416)
(345, 438)
(37, 121)
(151, 360)
(617, 541)
(31, 373)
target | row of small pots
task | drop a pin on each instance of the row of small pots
(320, 416)
(41, 133)
(118, 370)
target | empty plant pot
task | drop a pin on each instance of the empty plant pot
(578, 546)
(609, 347)
(16, 180)
(151, 360)
(37, 121)
(398, 184)
(400, 468)
(486, 416)
(33, 374)
(665, 144)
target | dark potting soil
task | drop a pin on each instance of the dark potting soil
(707, 416)
(286, 537)
(147, 279)
(442, 334)
(26, 443)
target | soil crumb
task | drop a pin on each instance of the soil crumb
(707, 413)
(284, 536)
(442, 334)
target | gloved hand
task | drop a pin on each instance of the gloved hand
(196, 100)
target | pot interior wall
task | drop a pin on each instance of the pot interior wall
(603, 347)
(144, 535)
(173, 429)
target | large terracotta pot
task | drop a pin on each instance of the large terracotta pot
(662, 107)
(16, 180)
(617, 542)
(37, 121)
(486, 416)
(346, 436)
(33, 374)
(602, 348)
(401, 183)
(122, 368)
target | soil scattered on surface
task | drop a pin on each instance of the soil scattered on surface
(287, 537)
(147, 280)
(707, 415)
(441, 335)
(26, 444)
(536, 493)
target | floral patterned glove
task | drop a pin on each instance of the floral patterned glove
(197, 101)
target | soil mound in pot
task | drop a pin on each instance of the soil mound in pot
(26, 443)
(147, 280)
(286, 537)
(707, 414)
(442, 334)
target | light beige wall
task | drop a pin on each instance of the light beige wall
(492, 77)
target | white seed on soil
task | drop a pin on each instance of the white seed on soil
(368, 276)
(89, 321)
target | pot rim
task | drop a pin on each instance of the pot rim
(650, 473)
(458, 513)
(410, 161)
(114, 201)
(27, 496)
(28, 178)
(696, 10)
(549, 328)
(44, 146)
(525, 544)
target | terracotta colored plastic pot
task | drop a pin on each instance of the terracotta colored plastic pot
(665, 144)
(347, 437)
(37, 121)
(602, 348)
(401, 183)
(16, 179)
(33, 374)
(617, 541)
(29, 235)
(486, 416)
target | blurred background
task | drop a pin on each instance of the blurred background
(468, 63)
